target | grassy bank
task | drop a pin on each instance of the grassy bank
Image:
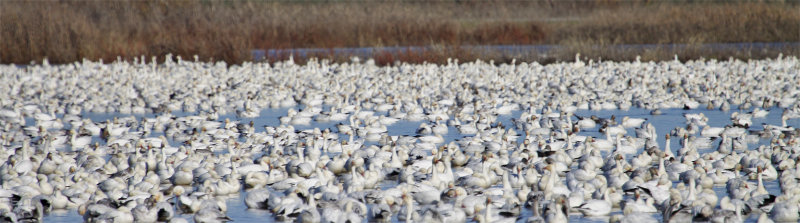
(227, 30)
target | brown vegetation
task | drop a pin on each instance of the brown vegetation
(68, 31)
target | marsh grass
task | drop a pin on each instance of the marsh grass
(68, 31)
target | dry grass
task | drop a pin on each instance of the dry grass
(68, 31)
(706, 23)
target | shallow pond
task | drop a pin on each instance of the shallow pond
(664, 123)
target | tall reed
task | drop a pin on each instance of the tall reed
(67, 31)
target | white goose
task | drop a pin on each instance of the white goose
(210, 214)
(557, 211)
(310, 213)
(786, 210)
(596, 207)
(257, 199)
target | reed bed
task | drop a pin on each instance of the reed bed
(68, 31)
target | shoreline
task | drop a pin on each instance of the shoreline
(505, 50)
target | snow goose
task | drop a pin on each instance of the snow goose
(764, 218)
(257, 198)
(309, 213)
(586, 172)
(586, 123)
(78, 141)
(764, 203)
(786, 210)
(28, 210)
(347, 214)
(407, 214)
(439, 128)
(760, 189)
(709, 131)
(558, 210)
(534, 202)
(443, 213)
(613, 131)
(189, 203)
(380, 212)
(285, 206)
(628, 122)
(7, 216)
(164, 211)
(122, 214)
(718, 176)
(146, 211)
(490, 216)
(639, 204)
(468, 128)
(597, 207)
(674, 210)
(255, 179)
(631, 217)
(210, 214)
(742, 119)
(623, 148)
(600, 144)
(433, 139)
(477, 179)
(59, 201)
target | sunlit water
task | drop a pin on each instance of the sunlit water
(664, 123)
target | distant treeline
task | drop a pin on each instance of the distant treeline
(68, 31)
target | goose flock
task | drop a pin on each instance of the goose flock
(176, 148)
